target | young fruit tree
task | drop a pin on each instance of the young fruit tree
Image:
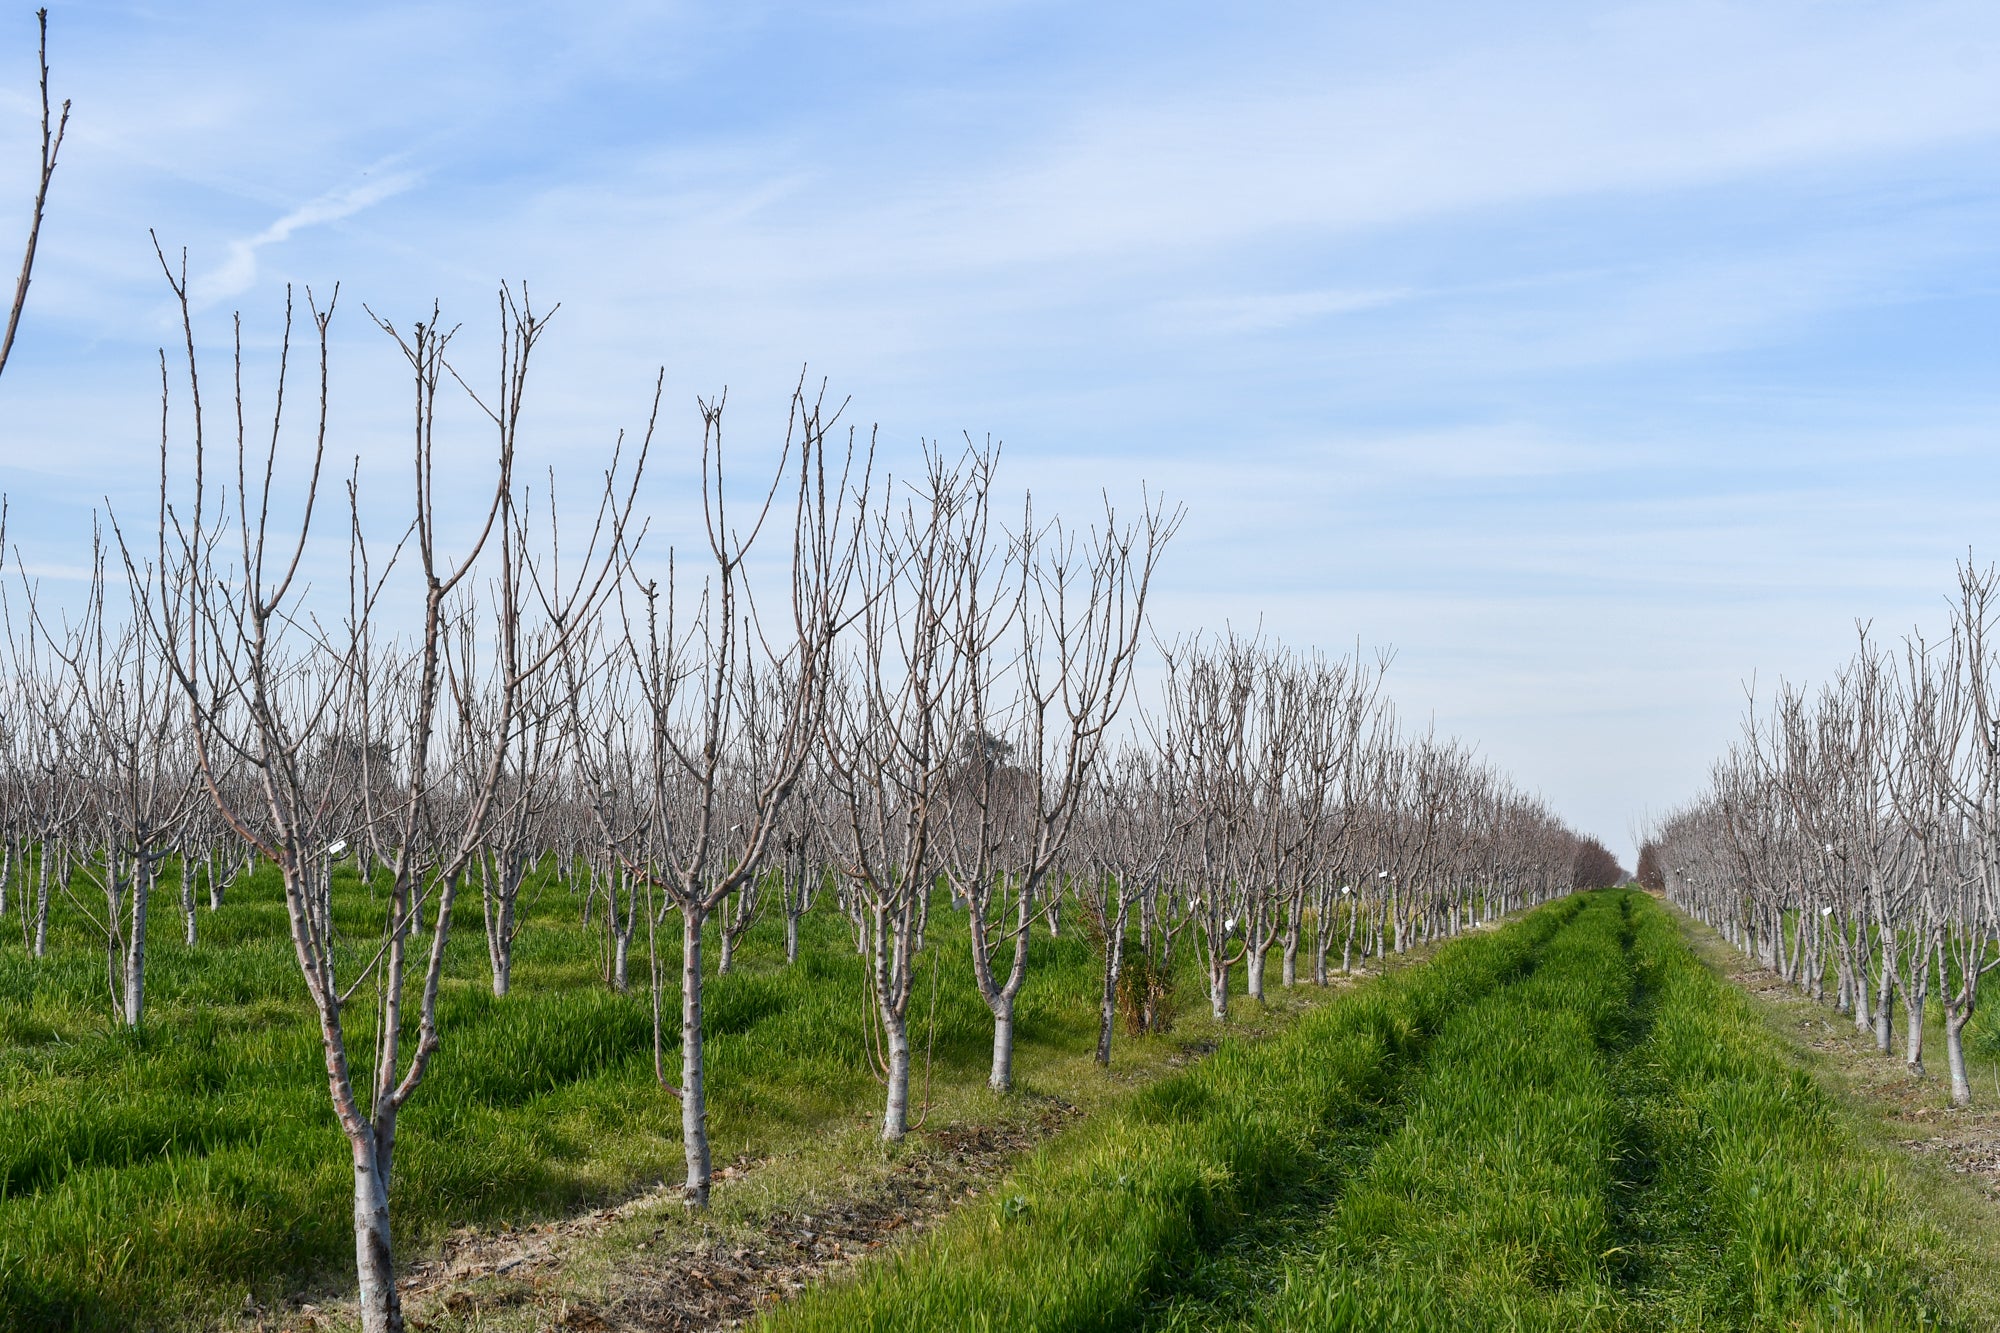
(273, 695)
(731, 701)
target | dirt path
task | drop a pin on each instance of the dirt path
(683, 1277)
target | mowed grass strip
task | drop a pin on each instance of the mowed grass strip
(1489, 1209)
(1617, 1142)
(1766, 1209)
(1110, 1218)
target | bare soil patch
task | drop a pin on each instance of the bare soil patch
(682, 1275)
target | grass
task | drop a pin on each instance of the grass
(165, 1177)
(1572, 1124)
(1569, 1122)
(1099, 1226)
(1492, 1206)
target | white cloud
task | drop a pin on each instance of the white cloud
(236, 274)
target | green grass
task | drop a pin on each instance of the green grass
(1569, 1122)
(162, 1176)
(1491, 1208)
(1572, 1124)
(1771, 1210)
(1104, 1223)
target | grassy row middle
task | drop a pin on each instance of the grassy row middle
(1100, 1224)
(1617, 1142)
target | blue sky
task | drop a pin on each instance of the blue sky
(1595, 356)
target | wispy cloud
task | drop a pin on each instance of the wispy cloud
(236, 274)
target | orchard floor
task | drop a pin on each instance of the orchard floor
(840, 1212)
(1956, 1149)
(1577, 1124)
(828, 1229)
(783, 1222)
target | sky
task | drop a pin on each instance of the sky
(1602, 359)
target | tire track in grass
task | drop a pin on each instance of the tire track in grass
(1527, 1055)
(1635, 1252)
(1106, 1223)
(1489, 1209)
(1615, 1143)
(1224, 1282)
(1752, 1205)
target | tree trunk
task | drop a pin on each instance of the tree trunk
(694, 1104)
(1288, 969)
(1114, 961)
(42, 904)
(188, 899)
(135, 946)
(1914, 997)
(499, 885)
(374, 1261)
(1002, 1076)
(896, 1111)
(1322, 941)
(1955, 1019)
(889, 960)
(791, 936)
(1884, 992)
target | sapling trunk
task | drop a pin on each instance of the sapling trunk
(1884, 992)
(41, 946)
(896, 1108)
(1114, 959)
(188, 870)
(1914, 998)
(1001, 1077)
(694, 1103)
(1289, 960)
(1955, 1019)
(381, 1304)
(135, 945)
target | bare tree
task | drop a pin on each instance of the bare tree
(1078, 608)
(268, 685)
(139, 766)
(889, 742)
(733, 706)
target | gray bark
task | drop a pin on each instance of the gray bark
(1114, 961)
(381, 1304)
(694, 1099)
